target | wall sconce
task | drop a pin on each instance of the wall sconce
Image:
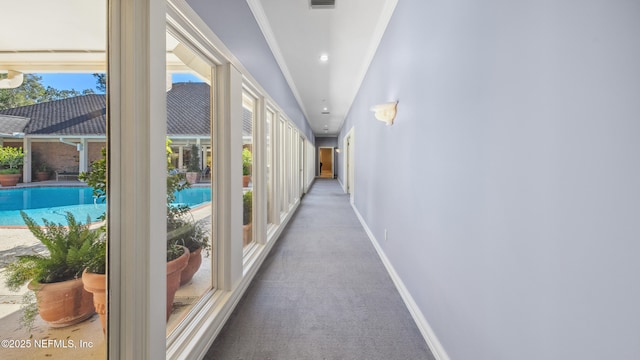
(338, 150)
(13, 80)
(386, 112)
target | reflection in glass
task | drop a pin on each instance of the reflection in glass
(248, 114)
(189, 163)
(270, 174)
(50, 90)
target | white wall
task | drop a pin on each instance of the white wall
(511, 193)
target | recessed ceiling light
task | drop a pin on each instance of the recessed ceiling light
(324, 57)
(325, 108)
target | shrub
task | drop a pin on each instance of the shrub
(247, 207)
(11, 157)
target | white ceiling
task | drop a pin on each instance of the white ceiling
(348, 34)
(59, 46)
(36, 35)
(298, 35)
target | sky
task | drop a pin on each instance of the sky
(79, 82)
(69, 81)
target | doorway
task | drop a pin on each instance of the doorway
(325, 162)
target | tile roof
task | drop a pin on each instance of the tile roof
(247, 122)
(12, 124)
(188, 109)
(80, 115)
(188, 113)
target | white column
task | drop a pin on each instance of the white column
(137, 166)
(26, 166)
(83, 154)
(198, 144)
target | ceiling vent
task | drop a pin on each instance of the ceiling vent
(322, 4)
(325, 113)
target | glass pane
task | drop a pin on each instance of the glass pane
(283, 167)
(301, 167)
(269, 145)
(50, 90)
(189, 179)
(290, 165)
(248, 118)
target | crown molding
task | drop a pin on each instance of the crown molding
(265, 27)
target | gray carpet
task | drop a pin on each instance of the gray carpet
(322, 293)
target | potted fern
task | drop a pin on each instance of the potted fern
(94, 278)
(193, 235)
(40, 169)
(177, 260)
(54, 277)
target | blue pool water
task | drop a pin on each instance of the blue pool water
(52, 203)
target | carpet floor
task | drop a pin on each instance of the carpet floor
(322, 293)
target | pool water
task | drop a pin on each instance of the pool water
(52, 203)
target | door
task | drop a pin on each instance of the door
(325, 162)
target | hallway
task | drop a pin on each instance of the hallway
(322, 293)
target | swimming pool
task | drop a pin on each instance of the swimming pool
(52, 203)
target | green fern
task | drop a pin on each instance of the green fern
(70, 250)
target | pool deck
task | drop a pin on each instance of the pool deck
(69, 183)
(45, 183)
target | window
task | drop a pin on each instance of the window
(270, 170)
(189, 177)
(291, 162)
(61, 59)
(248, 119)
(283, 168)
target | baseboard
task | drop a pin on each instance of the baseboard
(341, 185)
(425, 329)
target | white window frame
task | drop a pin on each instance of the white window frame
(270, 168)
(137, 132)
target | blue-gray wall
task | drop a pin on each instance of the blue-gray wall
(510, 183)
(233, 22)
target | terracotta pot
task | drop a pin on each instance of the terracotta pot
(245, 180)
(97, 284)
(174, 270)
(9, 179)
(195, 260)
(63, 303)
(247, 234)
(192, 177)
(42, 175)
